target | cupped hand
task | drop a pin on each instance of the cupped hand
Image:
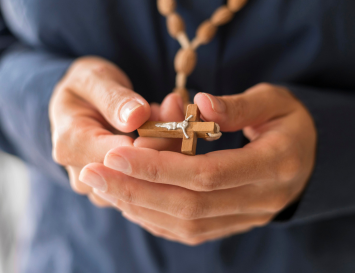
(91, 111)
(206, 197)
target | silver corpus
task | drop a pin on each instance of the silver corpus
(175, 125)
(184, 124)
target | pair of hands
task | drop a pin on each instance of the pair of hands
(181, 198)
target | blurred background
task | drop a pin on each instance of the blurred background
(13, 199)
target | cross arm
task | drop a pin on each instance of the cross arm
(200, 128)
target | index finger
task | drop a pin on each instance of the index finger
(213, 171)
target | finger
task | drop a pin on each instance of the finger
(154, 231)
(99, 202)
(155, 112)
(194, 241)
(102, 84)
(193, 228)
(85, 146)
(213, 171)
(178, 202)
(77, 186)
(172, 108)
(251, 108)
(78, 134)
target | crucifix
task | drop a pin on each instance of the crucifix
(189, 130)
(185, 61)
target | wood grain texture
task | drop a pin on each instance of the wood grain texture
(192, 109)
(195, 130)
(189, 146)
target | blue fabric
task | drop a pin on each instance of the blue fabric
(308, 45)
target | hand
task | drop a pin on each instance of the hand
(91, 109)
(206, 197)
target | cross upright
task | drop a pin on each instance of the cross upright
(189, 130)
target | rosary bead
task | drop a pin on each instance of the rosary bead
(175, 24)
(185, 61)
(206, 32)
(222, 16)
(166, 7)
(236, 5)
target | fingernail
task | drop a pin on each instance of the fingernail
(216, 104)
(118, 163)
(109, 198)
(128, 109)
(93, 179)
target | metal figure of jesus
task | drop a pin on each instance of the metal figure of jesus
(191, 129)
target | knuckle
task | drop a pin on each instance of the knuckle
(207, 179)
(111, 100)
(289, 161)
(88, 74)
(100, 69)
(284, 158)
(189, 229)
(152, 172)
(190, 211)
(239, 109)
(126, 194)
(96, 69)
(289, 168)
(262, 88)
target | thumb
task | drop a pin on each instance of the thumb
(255, 106)
(106, 88)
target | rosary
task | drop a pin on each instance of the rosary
(185, 62)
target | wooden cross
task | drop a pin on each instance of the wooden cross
(192, 126)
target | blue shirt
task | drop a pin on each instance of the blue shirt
(307, 45)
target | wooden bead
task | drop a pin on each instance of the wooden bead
(185, 61)
(236, 5)
(166, 7)
(222, 16)
(175, 24)
(206, 32)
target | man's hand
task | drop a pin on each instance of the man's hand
(91, 109)
(207, 197)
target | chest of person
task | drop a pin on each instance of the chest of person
(269, 40)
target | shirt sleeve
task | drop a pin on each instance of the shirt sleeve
(27, 79)
(330, 190)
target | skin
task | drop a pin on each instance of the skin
(186, 199)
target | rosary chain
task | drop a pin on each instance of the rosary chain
(186, 57)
